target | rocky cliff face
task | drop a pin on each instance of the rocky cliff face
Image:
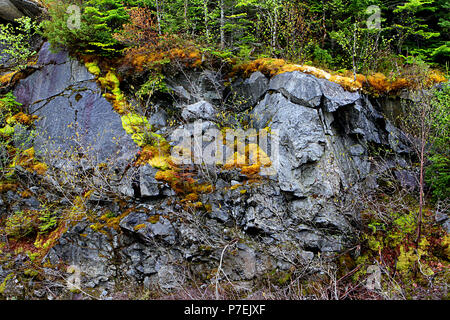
(251, 228)
(13, 9)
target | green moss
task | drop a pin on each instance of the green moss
(110, 81)
(7, 130)
(93, 68)
(136, 125)
(5, 281)
(284, 278)
(406, 260)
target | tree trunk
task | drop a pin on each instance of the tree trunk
(158, 16)
(275, 27)
(205, 7)
(186, 22)
(222, 25)
(354, 53)
(421, 182)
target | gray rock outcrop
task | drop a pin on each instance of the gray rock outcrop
(13, 9)
(151, 237)
(74, 117)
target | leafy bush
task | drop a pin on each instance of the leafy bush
(27, 223)
(98, 21)
(16, 41)
(8, 106)
(437, 174)
(322, 56)
(22, 224)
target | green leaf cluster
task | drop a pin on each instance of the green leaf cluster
(98, 21)
(16, 40)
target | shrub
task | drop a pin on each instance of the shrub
(22, 224)
(99, 20)
(16, 42)
(437, 174)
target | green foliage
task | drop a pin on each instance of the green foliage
(140, 129)
(27, 223)
(8, 106)
(155, 83)
(322, 57)
(98, 21)
(16, 41)
(21, 224)
(48, 220)
(437, 174)
(331, 33)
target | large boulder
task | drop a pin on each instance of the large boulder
(73, 115)
(8, 11)
(28, 7)
(247, 92)
(13, 9)
(298, 87)
(306, 207)
(200, 110)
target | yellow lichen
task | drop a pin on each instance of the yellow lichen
(93, 68)
(153, 219)
(139, 227)
(6, 78)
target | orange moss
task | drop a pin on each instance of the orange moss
(5, 187)
(250, 162)
(251, 170)
(191, 197)
(153, 219)
(26, 194)
(106, 221)
(27, 161)
(43, 244)
(273, 67)
(6, 78)
(154, 58)
(435, 77)
(377, 82)
(40, 168)
(204, 188)
(145, 155)
(139, 227)
(12, 77)
(23, 118)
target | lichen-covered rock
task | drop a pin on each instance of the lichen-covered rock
(73, 115)
(248, 227)
(149, 186)
(298, 87)
(88, 250)
(248, 92)
(200, 110)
